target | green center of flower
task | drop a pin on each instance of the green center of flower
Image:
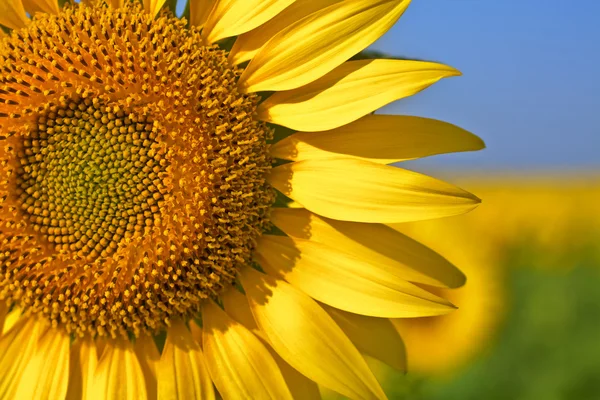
(89, 176)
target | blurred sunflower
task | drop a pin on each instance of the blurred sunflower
(138, 199)
(556, 218)
(556, 215)
(442, 345)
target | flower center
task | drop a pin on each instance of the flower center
(132, 171)
(90, 177)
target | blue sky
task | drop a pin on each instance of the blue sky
(531, 78)
(530, 84)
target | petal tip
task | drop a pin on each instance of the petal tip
(459, 280)
(453, 72)
(480, 143)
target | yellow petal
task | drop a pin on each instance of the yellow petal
(148, 355)
(299, 385)
(196, 333)
(307, 338)
(100, 343)
(375, 337)
(350, 91)
(47, 373)
(75, 390)
(240, 365)
(88, 360)
(16, 348)
(119, 374)
(82, 367)
(362, 191)
(45, 6)
(248, 44)
(153, 6)
(373, 243)
(236, 305)
(315, 45)
(3, 307)
(233, 17)
(12, 14)
(382, 139)
(199, 11)
(11, 319)
(182, 372)
(146, 348)
(345, 282)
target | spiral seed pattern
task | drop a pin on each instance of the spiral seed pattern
(132, 170)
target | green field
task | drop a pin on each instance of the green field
(548, 347)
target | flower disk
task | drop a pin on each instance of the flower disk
(133, 180)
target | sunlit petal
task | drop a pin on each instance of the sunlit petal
(382, 139)
(306, 337)
(361, 191)
(310, 48)
(240, 365)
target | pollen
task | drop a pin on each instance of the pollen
(132, 170)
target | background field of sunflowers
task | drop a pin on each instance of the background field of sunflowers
(535, 264)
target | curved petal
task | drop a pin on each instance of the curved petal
(47, 373)
(82, 365)
(75, 389)
(149, 357)
(11, 319)
(12, 14)
(182, 372)
(317, 44)
(240, 365)
(233, 17)
(16, 348)
(248, 44)
(373, 243)
(153, 6)
(349, 92)
(236, 305)
(45, 6)
(199, 11)
(88, 361)
(196, 332)
(307, 338)
(345, 282)
(362, 191)
(119, 374)
(299, 385)
(3, 308)
(375, 337)
(382, 139)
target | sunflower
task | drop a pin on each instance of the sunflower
(442, 345)
(554, 218)
(145, 247)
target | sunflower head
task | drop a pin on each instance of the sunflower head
(137, 193)
(133, 173)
